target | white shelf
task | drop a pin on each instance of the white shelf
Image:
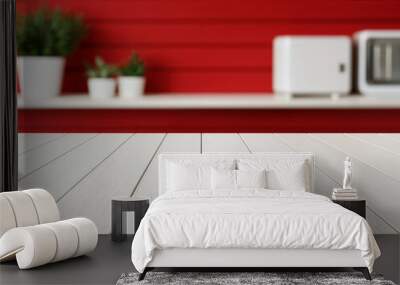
(211, 101)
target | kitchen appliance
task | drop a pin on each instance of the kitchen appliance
(312, 65)
(378, 62)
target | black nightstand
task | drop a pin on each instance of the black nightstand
(357, 206)
(125, 204)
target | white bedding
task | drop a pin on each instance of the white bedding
(250, 218)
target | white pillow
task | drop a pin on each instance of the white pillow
(187, 177)
(282, 174)
(193, 174)
(223, 179)
(251, 178)
(237, 179)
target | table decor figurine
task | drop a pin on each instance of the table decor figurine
(347, 173)
(347, 192)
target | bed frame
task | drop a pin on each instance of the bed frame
(245, 259)
(234, 259)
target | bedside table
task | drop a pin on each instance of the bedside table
(357, 206)
(120, 205)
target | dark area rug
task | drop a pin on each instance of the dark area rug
(269, 278)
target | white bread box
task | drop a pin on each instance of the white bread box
(312, 65)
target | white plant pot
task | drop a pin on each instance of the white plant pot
(101, 88)
(131, 86)
(40, 77)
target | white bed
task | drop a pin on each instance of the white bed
(248, 227)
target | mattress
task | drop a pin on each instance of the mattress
(250, 219)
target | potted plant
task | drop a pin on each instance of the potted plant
(44, 38)
(131, 79)
(101, 83)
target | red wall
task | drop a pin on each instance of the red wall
(209, 45)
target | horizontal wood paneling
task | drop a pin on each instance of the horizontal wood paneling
(234, 9)
(23, 6)
(209, 120)
(215, 34)
(200, 46)
(181, 58)
(194, 80)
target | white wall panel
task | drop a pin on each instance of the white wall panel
(32, 160)
(115, 176)
(378, 224)
(376, 157)
(270, 143)
(393, 136)
(323, 183)
(384, 141)
(223, 143)
(264, 143)
(60, 175)
(85, 171)
(370, 183)
(27, 142)
(148, 186)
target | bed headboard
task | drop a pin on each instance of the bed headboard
(164, 158)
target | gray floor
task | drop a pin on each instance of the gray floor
(110, 260)
(103, 266)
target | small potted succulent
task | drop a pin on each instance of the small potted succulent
(44, 38)
(131, 79)
(101, 83)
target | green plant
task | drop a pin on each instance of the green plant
(100, 69)
(135, 66)
(47, 32)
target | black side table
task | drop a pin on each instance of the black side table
(125, 204)
(357, 206)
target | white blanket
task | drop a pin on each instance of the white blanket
(250, 219)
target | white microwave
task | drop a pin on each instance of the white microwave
(378, 62)
(312, 65)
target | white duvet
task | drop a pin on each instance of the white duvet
(250, 219)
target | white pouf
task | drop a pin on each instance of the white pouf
(31, 233)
